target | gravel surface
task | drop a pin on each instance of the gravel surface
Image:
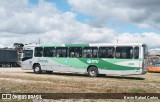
(16, 80)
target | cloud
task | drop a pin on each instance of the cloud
(24, 22)
(143, 13)
(151, 39)
(23, 18)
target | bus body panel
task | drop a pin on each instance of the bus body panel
(80, 65)
(105, 66)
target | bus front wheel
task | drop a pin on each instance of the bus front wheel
(92, 71)
(37, 69)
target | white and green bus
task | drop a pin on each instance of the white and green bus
(92, 59)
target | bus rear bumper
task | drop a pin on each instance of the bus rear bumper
(143, 71)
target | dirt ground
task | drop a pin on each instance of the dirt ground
(16, 80)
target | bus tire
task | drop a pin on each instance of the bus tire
(37, 69)
(93, 72)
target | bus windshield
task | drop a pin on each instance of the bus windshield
(27, 54)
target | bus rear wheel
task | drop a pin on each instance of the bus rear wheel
(93, 72)
(37, 69)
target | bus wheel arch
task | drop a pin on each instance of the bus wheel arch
(92, 71)
(37, 68)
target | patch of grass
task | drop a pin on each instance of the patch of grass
(24, 82)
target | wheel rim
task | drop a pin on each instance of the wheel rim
(92, 72)
(36, 69)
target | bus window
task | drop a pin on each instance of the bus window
(27, 54)
(49, 52)
(62, 52)
(38, 52)
(75, 52)
(106, 52)
(90, 52)
(136, 52)
(95, 53)
(155, 62)
(124, 52)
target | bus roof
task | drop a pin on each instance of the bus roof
(85, 45)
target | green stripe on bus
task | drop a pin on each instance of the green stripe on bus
(121, 60)
(66, 45)
(77, 45)
(85, 62)
(71, 62)
(51, 45)
(107, 65)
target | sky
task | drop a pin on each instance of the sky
(80, 21)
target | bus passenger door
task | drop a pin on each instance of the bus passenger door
(27, 59)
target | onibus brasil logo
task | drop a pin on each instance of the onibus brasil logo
(92, 61)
